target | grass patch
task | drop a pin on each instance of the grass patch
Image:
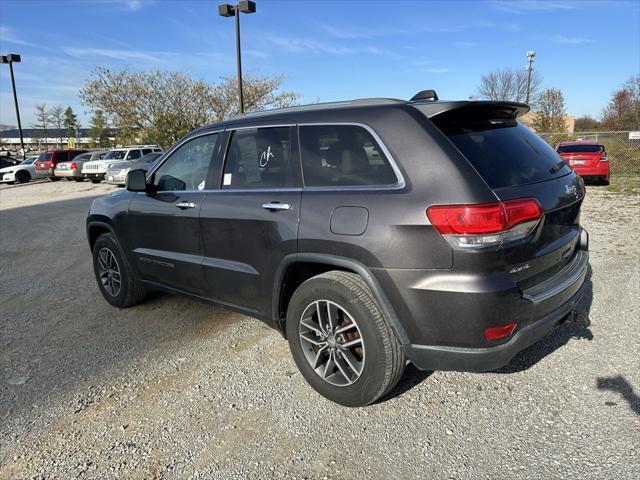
(629, 184)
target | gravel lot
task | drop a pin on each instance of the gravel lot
(178, 388)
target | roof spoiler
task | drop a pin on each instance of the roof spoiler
(513, 109)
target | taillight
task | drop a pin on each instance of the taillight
(51, 164)
(496, 333)
(604, 158)
(74, 165)
(487, 224)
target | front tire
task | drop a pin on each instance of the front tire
(116, 280)
(23, 176)
(78, 179)
(95, 180)
(54, 179)
(340, 340)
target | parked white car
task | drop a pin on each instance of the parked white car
(21, 173)
(96, 170)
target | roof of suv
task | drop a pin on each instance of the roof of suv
(428, 107)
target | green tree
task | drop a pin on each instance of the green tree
(71, 123)
(550, 113)
(586, 123)
(164, 106)
(98, 130)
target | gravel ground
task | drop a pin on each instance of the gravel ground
(177, 388)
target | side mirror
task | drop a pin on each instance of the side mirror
(136, 181)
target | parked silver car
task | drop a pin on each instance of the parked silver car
(73, 169)
(117, 171)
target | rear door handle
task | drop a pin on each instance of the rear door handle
(276, 206)
(185, 205)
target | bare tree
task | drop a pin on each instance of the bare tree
(510, 85)
(163, 106)
(41, 123)
(56, 116)
(550, 114)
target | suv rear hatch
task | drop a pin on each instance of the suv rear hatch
(44, 161)
(517, 164)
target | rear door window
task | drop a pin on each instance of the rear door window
(259, 158)
(342, 155)
(133, 154)
(504, 152)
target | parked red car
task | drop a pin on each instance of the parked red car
(588, 159)
(47, 161)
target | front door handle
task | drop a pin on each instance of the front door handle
(276, 206)
(185, 205)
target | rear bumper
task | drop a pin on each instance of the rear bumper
(601, 170)
(68, 173)
(445, 313)
(490, 358)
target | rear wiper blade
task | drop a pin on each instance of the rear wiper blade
(557, 166)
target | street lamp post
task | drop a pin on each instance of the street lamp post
(10, 59)
(530, 56)
(226, 10)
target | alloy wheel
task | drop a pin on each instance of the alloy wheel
(109, 271)
(332, 342)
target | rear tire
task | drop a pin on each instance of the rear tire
(54, 179)
(22, 176)
(352, 365)
(78, 179)
(116, 280)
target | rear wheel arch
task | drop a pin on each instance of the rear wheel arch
(295, 269)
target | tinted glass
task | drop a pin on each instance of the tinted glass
(133, 154)
(187, 167)
(342, 155)
(580, 149)
(504, 152)
(145, 151)
(44, 157)
(115, 155)
(259, 158)
(83, 156)
(150, 157)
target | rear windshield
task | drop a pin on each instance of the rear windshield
(504, 152)
(580, 148)
(44, 157)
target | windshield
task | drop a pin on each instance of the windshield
(580, 149)
(44, 157)
(504, 152)
(115, 155)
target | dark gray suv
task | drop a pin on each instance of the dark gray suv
(370, 233)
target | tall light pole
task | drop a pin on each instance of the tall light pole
(10, 59)
(530, 56)
(226, 10)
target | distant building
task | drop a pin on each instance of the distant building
(529, 117)
(34, 138)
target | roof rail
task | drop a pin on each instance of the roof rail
(360, 102)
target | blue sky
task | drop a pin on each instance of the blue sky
(329, 50)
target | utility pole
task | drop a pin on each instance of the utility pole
(530, 56)
(10, 59)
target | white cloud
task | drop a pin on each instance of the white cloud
(437, 70)
(465, 44)
(570, 40)
(115, 54)
(525, 6)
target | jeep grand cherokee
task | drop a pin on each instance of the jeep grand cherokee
(368, 232)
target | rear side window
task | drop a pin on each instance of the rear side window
(342, 155)
(259, 158)
(504, 152)
(61, 156)
(580, 149)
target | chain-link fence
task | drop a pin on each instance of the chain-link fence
(623, 152)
